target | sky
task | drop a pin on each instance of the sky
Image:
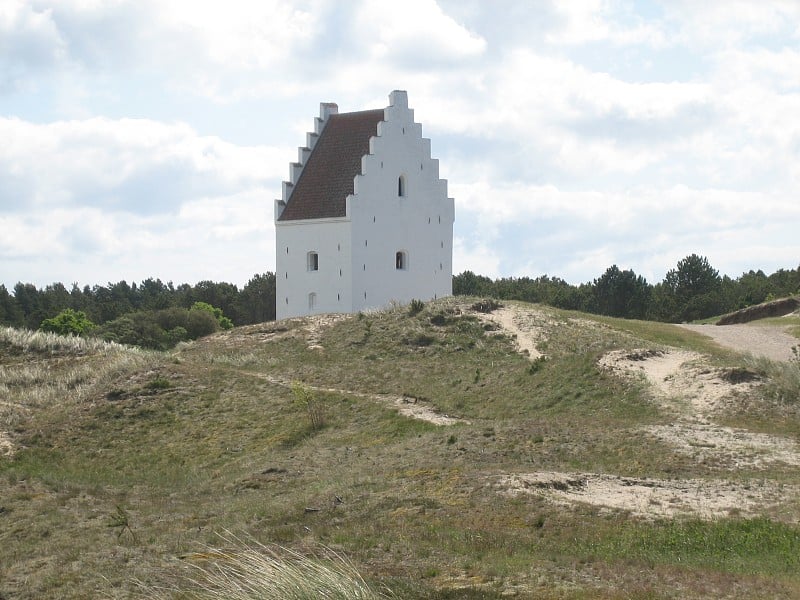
(149, 138)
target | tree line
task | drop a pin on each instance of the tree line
(156, 314)
(692, 290)
(152, 313)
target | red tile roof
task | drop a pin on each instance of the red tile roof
(327, 178)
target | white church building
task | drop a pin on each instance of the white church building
(364, 219)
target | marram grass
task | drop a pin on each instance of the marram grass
(44, 341)
(253, 571)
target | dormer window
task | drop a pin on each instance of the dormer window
(401, 186)
(401, 261)
(313, 261)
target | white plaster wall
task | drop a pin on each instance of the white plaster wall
(419, 223)
(379, 223)
(332, 284)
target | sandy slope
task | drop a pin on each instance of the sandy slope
(771, 341)
(686, 386)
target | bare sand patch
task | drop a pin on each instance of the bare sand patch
(654, 498)
(526, 326)
(686, 386)
(6, 445)
(727, 447)
(317, 324)
(771, 341)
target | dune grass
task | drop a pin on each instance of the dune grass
(249, 570)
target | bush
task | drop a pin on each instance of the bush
(160, 329)
(200, 323)
(68, 322)
(415, 307)
(306, 398)
(223, 321)
(486, 306)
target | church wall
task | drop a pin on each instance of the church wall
(418, 223)
(295, 280)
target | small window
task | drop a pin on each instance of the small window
(313, 261)
(312, 301)
(400, 261)
(401, 186)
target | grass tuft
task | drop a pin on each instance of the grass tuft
(253, 571)
(44, 341)
(783, 378)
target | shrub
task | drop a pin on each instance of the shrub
(415, 307)
(486, 306)
(200, 323)
(306, 398)
(536, 365)
(439, 319)
(68, 322)
(223, 321)
(161, 329)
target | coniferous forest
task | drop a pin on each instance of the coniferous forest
(157, 315)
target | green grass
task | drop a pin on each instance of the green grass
(211, 438)
(746, 546)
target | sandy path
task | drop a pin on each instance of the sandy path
(686, 386)
(653, 498)
(691, 390)
(771, 341)
(526, 325)
(409, 407)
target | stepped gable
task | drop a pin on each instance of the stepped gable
(327, 176)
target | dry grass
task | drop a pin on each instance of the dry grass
(39, 370)
(252, 571)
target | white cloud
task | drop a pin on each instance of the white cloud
(241, 34)
(29, 42)
(415, 33)
(583, 21)
(537, 230)
(476, 257)
(734, 22)
(135, 165)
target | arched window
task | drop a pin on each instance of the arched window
(312, 301)
(313, 261)
(400, 260)
(401, 186)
